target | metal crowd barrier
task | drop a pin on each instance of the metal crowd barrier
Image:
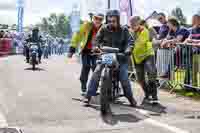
(179, 66)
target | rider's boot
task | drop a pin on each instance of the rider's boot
(146, 100)
(87, 101)
(128, 92)
(132, 101)
(39, 60)
(83, 88)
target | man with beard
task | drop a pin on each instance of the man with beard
(116, 36)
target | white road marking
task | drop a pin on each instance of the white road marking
(144, 112)
(165, 126)
(153, 122)
(172, 129)
(3, 58)
(20, 94)
(3, 122)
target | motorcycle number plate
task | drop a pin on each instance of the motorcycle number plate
(34, 47)
(108, 59)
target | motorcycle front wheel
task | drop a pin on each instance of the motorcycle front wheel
(33, 62)
(105, 94)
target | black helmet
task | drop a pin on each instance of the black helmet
(114, 13)
(111, 13)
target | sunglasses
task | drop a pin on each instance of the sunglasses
(112, 21)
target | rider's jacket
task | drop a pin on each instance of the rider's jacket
(117, 39)
(33, 40)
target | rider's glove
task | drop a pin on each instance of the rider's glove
(72, 50)
(128, 51)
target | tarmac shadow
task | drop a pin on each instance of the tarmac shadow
(113, 119)
(156, 109)
(36, 69)
(153, 109)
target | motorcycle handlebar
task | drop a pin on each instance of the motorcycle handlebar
(106, 50)
(110, 50)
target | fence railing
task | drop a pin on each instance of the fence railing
(179, 66)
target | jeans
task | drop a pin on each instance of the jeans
(88, 63)
(27, 53)
(123, 77)
(45, 52)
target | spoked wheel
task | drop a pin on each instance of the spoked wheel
(106, 93)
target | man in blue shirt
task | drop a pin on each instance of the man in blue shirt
(162, 34)
(164, 29)
(176, 33)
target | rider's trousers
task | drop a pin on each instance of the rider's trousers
(123, 77)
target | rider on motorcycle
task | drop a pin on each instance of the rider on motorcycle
(116, 36)
(35, 38)
(85, 37)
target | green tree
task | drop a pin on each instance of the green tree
(178, 14)
(44, 25)
(56, 25)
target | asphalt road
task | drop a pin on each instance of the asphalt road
(48, 101)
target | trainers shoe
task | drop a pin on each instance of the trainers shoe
(83, 93)
(146, 100)
(133, 102)
(154, 100)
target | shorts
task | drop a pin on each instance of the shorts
(147, 66)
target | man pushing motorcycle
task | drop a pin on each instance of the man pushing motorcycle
(85, 37)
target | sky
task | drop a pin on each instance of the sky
(36, 9)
